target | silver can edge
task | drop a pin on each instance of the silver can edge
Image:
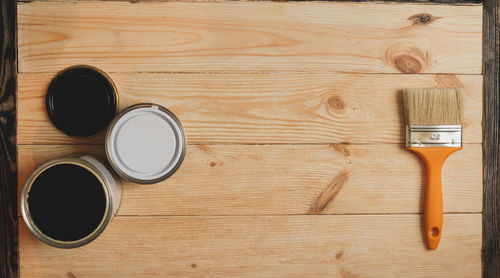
(109, 187)
(108, 142)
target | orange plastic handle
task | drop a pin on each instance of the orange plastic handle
(433, 204)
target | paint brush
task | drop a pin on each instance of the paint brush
(433, 132)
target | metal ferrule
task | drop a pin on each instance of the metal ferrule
(434, 136)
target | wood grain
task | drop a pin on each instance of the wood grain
(263, 89)
(266, 246)
(263, 108)
(8, 154)
(250, 36)
(290, 179)
(491, 142)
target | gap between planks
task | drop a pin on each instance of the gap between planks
(275, 215)
(271, 214)
(248, 144)
(259, 72)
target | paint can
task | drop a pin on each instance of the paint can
(145, 143)
(81, 101)
(67, 202)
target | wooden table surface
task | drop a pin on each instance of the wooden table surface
(295, 165)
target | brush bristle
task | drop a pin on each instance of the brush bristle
(433, 106)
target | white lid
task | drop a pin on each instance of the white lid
(145, 143)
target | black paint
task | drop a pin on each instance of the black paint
(81, 101)
(66, 202)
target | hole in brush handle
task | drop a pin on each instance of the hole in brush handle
(434, 232)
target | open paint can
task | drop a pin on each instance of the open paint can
(145, 143)
(67, 202)
(81, 101)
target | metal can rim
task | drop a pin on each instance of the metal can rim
(108, 143)
(101, 72)
(25, 208)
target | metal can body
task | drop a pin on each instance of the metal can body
(81, 101)
(146, 143)
(110, 184)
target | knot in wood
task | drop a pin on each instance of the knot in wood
(407, 58)
(215, 163)
(336, 103)
(407, 64)
(422, 19)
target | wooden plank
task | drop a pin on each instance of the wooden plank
(263, 108)
(266, 246)
(250, 36)
(491, 142)
(8, 153)
(290, 179)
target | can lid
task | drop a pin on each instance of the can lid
(81, 101)
(145, 143)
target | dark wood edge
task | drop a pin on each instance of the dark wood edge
(491, 141)
(9, 260)
(9, 265)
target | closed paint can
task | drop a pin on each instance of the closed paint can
(68, 201)
(145, 143)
